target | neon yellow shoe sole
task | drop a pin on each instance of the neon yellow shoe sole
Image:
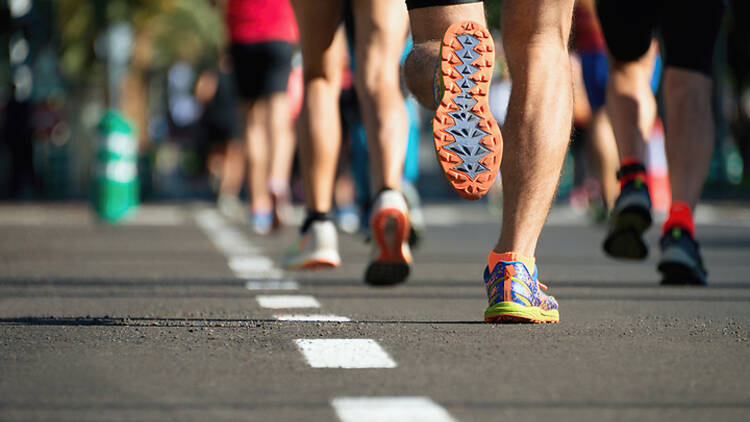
(508, 312)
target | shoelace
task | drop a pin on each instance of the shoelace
(542, 285)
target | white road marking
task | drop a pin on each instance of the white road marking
(155, 215)
(344, 353)
(271, 285)
(269, 274)
(311, 317)
(240, 264)
(389, 409)
(287, 301)
(245, 259)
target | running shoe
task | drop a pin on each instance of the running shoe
(231, 207)
(417, 224)
(282, 207)
(631, 217)
(317, 248)
(390, 231)
(681, 261)
(467, 138)
(347, 218)
(515, 295)
(262, 222)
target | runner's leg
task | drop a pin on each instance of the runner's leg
(320, 128)
(537, 128)
(428, 25)
(380, 32)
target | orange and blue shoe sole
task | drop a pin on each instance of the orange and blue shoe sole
(467, 138)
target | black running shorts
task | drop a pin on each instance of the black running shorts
(688, 29)
(262, 68)
(416, 4)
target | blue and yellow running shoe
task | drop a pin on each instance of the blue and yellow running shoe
(515, 295)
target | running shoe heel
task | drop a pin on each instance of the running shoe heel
(625, 240)
(681, 262)
(390, 228)
(318, 248)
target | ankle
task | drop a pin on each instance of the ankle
(494, 257)
(312, 217)
(631, 168)
(681, 216)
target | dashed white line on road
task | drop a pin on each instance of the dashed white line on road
(390, 409)
(312, 317)
(245, 259)
(344, 353)
(287, 301)
(242, 265)
(271, 285)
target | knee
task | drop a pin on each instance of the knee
(419, 71)
(536, 29)
(687, 88)
(377, 73)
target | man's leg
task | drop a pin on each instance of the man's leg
(689, 37)
(320, 129)
(428, 25)
(690, 132)
(255, 114)
(233, 168)
(628, 29)
(281, 136)
(537, 129)
(380, 31)
(467, 139)
(630, 104)
(381, 27)
(233, 176)
(603, 154)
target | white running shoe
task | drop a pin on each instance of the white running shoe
(231, 207)
(390, 233)
(317, 248)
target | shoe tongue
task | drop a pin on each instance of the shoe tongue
(494, 258)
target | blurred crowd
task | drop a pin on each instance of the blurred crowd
(214, 117)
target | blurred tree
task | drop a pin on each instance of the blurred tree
(175, 29)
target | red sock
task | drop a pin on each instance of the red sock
(631, 168)
(680, 216)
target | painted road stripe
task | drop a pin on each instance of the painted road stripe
(249, 264)
(391, 409)
(287, 301)
(268, 274)
(271, 285)
(311, 317)
(245, 260)
(344, 353)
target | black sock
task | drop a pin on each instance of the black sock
(313, 216)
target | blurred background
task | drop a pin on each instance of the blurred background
(73, 72)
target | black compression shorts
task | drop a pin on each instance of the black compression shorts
(262, 68)
(688, 29)
(416, 4)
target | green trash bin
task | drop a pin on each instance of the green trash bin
(115, 187)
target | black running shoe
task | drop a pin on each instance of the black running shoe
(681, 261)
(631, 217)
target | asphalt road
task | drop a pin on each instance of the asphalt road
(154, 320)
